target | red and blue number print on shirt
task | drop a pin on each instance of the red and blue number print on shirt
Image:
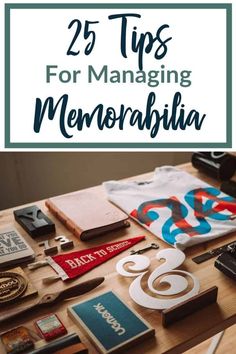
(205, 203)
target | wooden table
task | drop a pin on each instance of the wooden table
(177, 338)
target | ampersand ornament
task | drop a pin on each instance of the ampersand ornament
(177, 279)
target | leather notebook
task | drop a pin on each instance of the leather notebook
(86, 215)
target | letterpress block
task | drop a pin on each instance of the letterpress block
(47, 248)
(34, 221)
(65, 243)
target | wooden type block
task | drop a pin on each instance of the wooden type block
(47, 248)
(65, 243)
(34, 221)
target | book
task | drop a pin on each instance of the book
(86, 215)
(13, 248)
(111, 325)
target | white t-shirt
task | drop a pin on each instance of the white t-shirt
(175, 206)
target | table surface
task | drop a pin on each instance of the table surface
(177, 338)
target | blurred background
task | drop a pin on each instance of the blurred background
(27, 177)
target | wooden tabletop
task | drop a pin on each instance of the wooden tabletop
(177, 338)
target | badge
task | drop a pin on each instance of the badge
(12, 286)
(15, 286)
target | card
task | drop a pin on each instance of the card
(110, 323)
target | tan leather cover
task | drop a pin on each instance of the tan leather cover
(86, 215)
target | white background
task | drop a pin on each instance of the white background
(41, 37)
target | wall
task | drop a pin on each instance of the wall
(27, 177)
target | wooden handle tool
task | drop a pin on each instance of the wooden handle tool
(52, 299)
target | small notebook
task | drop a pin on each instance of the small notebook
(86, 215)
(110, 323)
(13, 248)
